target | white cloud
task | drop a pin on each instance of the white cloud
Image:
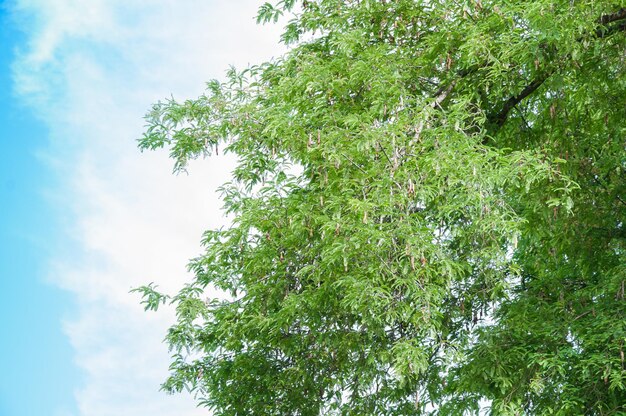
(91, 69)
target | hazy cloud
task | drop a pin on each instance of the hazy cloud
(91, 69)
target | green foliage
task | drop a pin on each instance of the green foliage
(151, 298)
(429, 210)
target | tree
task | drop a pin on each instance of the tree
(428, 210)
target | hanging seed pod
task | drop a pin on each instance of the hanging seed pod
(411, 188)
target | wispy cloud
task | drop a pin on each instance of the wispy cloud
(91, 69)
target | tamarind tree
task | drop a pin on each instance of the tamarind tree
(428, 214)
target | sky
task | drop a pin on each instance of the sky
(85, 216)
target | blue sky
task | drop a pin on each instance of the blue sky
(85, 216)
(36, 355)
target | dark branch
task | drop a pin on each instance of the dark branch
(497, 119)
(612, 17)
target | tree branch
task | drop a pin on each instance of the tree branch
(442, 94)
(497, 119)
(612, 17)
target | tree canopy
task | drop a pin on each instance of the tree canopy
(428, 214)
